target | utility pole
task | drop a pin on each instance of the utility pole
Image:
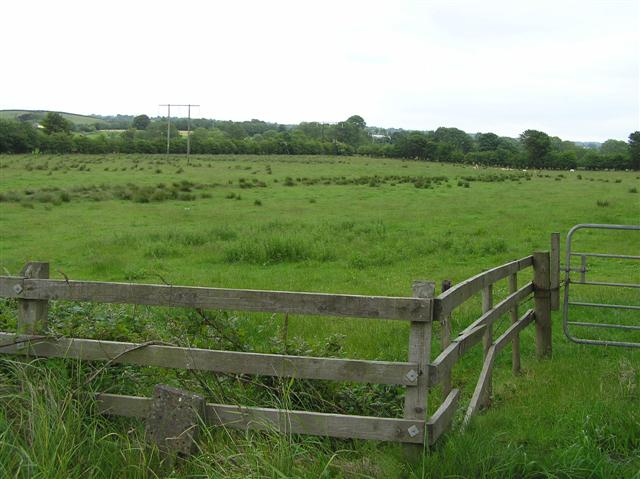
(188, 105)
(168, 125)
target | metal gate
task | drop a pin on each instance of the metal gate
(570, 306)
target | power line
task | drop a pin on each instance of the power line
(188, 105)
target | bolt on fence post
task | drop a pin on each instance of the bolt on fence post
(416, 397)
(542, 298)
(32, 313)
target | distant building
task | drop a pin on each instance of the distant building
(378, 137)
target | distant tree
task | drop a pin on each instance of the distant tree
(458, 139)
(55, 123)
(614, 147)
(488, 141)
(312, 130)
(352, 131)
(358, 121)
(634, 148)
(414, 145)
(141, 122)
(537, 146)
(158, 130)
(17, 137)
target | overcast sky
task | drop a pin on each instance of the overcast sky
(570, 68)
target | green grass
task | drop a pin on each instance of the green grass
(328, 224)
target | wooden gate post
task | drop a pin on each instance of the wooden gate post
(542, 297)
(415, 399)
(32, 313)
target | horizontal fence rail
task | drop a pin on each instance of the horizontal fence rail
(286, 421)
(356, 306)
(300, 367)
(502, 307)
(454, 297)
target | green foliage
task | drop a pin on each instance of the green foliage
(537, 146)
(614, 147)
(141, 122)
(634, 148)
(17, 137)
(534, 149)
(55, 123)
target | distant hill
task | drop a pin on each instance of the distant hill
(36, 116)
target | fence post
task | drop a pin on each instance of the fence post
(445, 340)
(555, 271)
(415, 399)
(487, 339)
(32, 313)
(515, 342)
(542, 297)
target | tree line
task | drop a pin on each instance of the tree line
(532, 149)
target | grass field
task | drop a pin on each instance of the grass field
(328, 224)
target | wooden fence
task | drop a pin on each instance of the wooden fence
(418, 374)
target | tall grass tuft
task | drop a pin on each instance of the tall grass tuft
(270, 250)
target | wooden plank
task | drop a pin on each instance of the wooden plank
(502, 307)
(542, 300)
(447, 358)
(376, 372)
(515, 348)
(32, 314)
(487, 338)
(445, 341)
(514, 330)
(451, 299)
(416, 396)
(484, 381)
(290, 422)
(555, 271)
(441, 419)
(487, 305)
(356, 306)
